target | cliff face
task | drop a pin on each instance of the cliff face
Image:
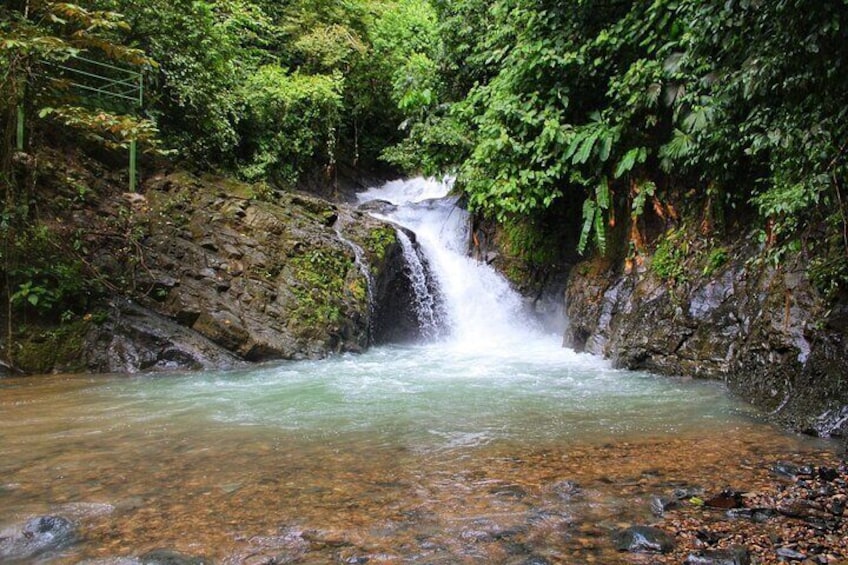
(207, 272)
(765, 331)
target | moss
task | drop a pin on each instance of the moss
(517, 274)
(358, 290)
(379, 241)
(41, 350)
(715, 260)
(669, 259)
(529, 242)
(320, 288)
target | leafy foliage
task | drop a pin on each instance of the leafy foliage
(630, 105)
(291, 119)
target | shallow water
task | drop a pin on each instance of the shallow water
(492, 444)
(413, 454)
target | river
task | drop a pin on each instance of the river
(488, 443)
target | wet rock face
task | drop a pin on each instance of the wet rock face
(233, 277)
(764, 331)
(394, 316)
(134, 339)
(394, 320)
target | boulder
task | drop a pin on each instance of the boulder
(133, 338)
(230, 277)
(40, 535)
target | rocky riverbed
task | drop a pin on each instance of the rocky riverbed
(796, 513)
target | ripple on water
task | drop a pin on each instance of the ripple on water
(365, 457)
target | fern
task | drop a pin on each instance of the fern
(600, 231)
(681, 145)
(589, 210)
(626, 164)
(585, 150)
(602, 194)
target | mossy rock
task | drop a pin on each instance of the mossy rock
(39, 350)
(380, 239)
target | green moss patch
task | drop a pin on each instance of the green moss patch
(39, 350)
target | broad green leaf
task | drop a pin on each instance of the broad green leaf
(589, 209)
(585, 150)
(602, 194)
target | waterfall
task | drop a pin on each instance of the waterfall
(426, 305)
(362, 264)
(481, 309)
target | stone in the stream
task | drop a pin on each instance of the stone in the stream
(827, 474)
(643, 538)
(727, 498)
(536, 560)
(758, 515)
(659, 505)
(38, 536)
(792, 471)
(170, 557)
(683, 493)
(509, 491)
(566, 489)
(789, 554)
(732, 556)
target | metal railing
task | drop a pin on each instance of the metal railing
(92, 79)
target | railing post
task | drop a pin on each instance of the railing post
(133, 166)
(20, 137)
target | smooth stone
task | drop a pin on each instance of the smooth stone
(660, 504)
(643, 538)
(790, 554)
(733, 556)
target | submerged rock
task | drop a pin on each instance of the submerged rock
(38, 536)
(566, 490)
(733, 556)
(170, 557)
(643, 539)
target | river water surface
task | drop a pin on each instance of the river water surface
(491, 444)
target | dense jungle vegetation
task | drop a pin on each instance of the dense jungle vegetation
(604, 117)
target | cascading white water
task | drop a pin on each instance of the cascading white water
(482, 310)
(426, 308)
(361, 264)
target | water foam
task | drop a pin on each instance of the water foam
(483, 311)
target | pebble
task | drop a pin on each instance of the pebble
(796, 516)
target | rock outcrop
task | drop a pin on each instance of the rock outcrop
(764, 330)
(207, 272)
(278, 277)
(132, 339)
